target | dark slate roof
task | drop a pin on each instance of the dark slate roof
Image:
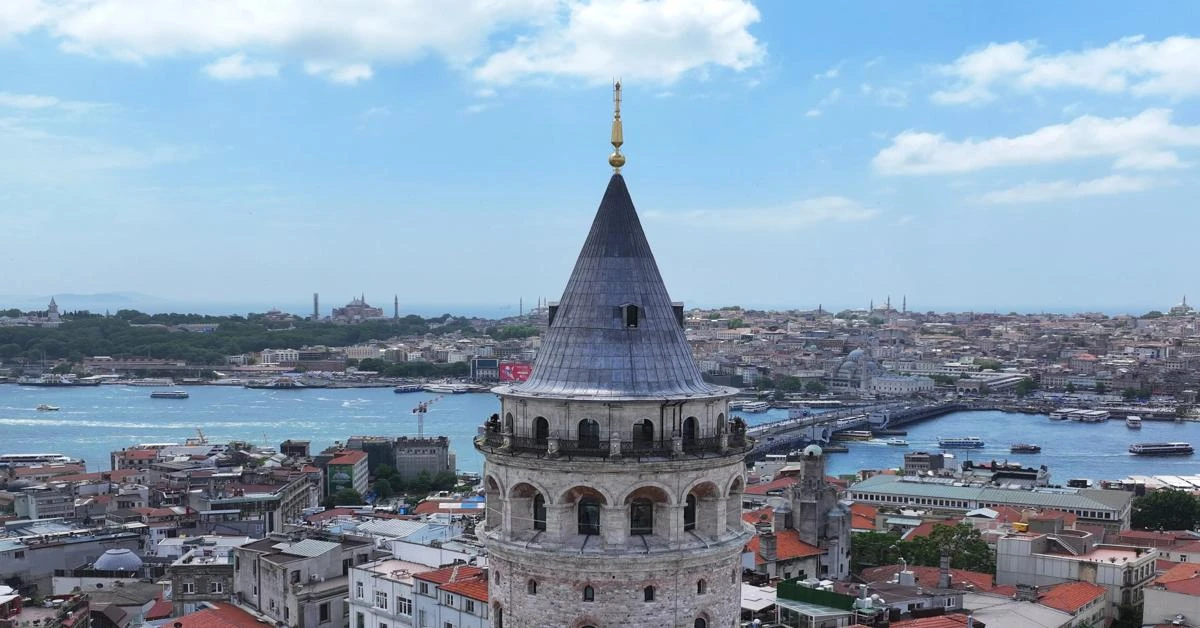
(588, 351)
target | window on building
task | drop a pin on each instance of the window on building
(648, 594)
(641, 517)
(700, 623)
(541, 430)
(346, 566)
(539, 517)
(360, 620)
(498, 616)
(287, 612)
(448, 625)
(589, 515)
(216, 586)
(383, 625)
(358, 590)
(589, 594)
(323, 612)
(360, 559)
(403, 605)
(470, 606)
(629, 314)
(189, 586)
(381, 599)
(689, 513)
(295, 576)
(531, 587)
(589, 434)
(424, 588)
(449, 600)
(701, 587)
(422, 620)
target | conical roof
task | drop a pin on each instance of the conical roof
(589, 349)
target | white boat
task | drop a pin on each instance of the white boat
(453, 389)
(756, 406)
(898, 442)
(169, 394)
(150, 381)
(1161, 449)
(960, 442)
(1133, 422)
(45, 407)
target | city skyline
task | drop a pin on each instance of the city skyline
(969, 157)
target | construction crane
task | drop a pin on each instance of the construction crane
(420, 411)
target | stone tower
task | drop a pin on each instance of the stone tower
(613, 474)
(817, 515)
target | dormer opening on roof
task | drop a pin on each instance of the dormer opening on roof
(630, 314)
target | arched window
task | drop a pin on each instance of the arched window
(721, 426)
(589, 594)
(541, 430)
(700, 623)
(701, 586)
(496, 574)
(689, 513)
(531, 587)
(691, 429)
(539, 512)
(648, 594)
(589, 515)
(643, 433)
(589, 434)
(641, 517)
(508, 422)
(499, 615)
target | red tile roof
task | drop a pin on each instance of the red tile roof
(349, 457)
(777, 484)
(1070, 597)
(926, 528)
(162, 609)
(445, 574)
(139, 454)
(862, 516)
(1182, 578)
(475, 587)
(940, 621)
(766, 513)
(788, 546)
(220, 616)
(928, 576)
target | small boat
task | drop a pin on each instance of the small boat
(169, 394)
(1025, 448)
(756, 406)
(407, 388)
(1133, 422)
(898, 442)
(961, 442)
(45, 407)
(1161, 449)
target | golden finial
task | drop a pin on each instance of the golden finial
(616, 160)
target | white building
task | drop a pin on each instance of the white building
(279, 356)
(900, 384)
(1174, 596)
(453, 597)
(364, 352)
(381, 594)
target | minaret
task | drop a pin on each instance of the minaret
(316, 308)
(396, 307)
(904, 304)
(613, 475)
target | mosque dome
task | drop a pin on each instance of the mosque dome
(118, 559)
(813, 450)
(855, 370)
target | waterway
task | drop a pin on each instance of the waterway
(94, 421)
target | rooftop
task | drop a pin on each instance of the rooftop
(1070, 597)
(394, 569)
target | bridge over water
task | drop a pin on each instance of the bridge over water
(785, 435)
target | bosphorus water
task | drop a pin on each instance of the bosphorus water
(94, 421)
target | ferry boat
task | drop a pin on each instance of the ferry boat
(961, 442)
(756, 406)
(150, 381)
(898, 442)
(1133, 422)
(52, 379)
(169, 394)
(32, 460)
(453, 389)
(45, 407)
(853, 435)
(407, 388)
(1161, 449)
(1025, 448)
(1079, 414)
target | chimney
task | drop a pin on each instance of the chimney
(944, 571)
(767, 547)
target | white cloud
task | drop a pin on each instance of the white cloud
(237, 67)
(498, 42)
(1041, 192)
(812, 113)
(1143, 68)
(485, 92)
(476, 108)
(345, 74)
(31, 155)
(1141, 141)
(830, 73)
(886, 96)
(12, 100)
(634, 39)
(376, 112)
(793, 217)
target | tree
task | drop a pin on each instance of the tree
(1071, 388)
(1129, 394)
(788, 383)
(963, 542)
(1166, 509)
(1026, 386)
(383, 489)
(872, 549)
(423, 482)
(1101, 388)
(1153, 314)
(735, 323)
(988, 364)
(814, 387)
(384, 471)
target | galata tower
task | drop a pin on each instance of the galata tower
(614, 475)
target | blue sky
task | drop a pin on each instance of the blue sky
(986, 156)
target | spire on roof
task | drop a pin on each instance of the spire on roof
(616, 159)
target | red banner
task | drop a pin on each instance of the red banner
(515, 371)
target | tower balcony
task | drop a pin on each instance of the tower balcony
(618, 446)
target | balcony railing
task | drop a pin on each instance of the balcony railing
(495, 441)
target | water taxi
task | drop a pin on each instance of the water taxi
(960, 442)
(898, 442)
(1025, 448)
(1161, 449)
(1133, 422)
(45, 407)
(169, 394)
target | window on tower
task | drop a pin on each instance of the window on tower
(539, 512)
(589, 515)
(641, 517)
